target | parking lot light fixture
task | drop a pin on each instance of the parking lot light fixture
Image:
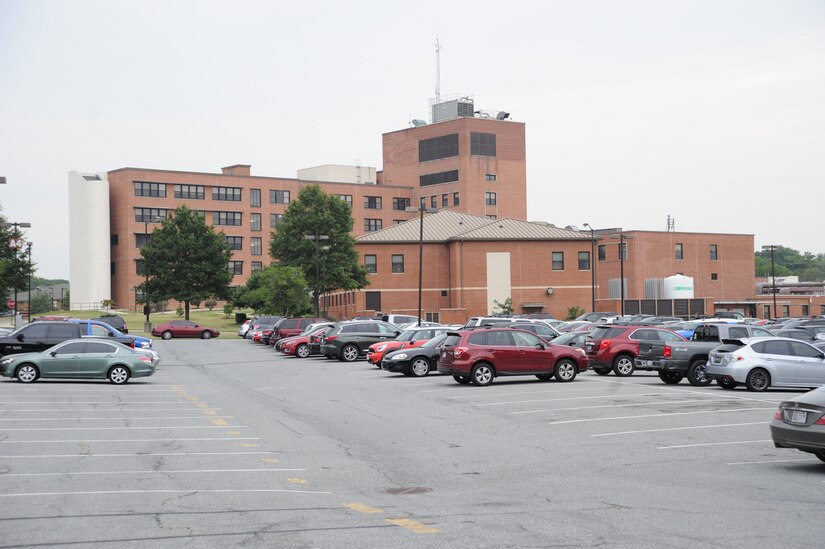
(147, 325)
(772, 247)
(318, 238)
(592, 268)
(421, 209)
(622, 252)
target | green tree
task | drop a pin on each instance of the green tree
(316, 213)
(41, 303)
(276, 290)
(186, 260)
(505, 308)
(15, 266)
(574, 312)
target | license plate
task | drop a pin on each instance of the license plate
(798, 416)
(647, 362)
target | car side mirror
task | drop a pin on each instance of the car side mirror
(572, 343)
(540, 345)
(20, 337)
(53, 353)
(412, 342)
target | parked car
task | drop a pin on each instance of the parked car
(595, 317)
(400, 320)
(415, 361)
(759, 363)
(244, 327)
(348, 341)
(800, 423)
(79, 358)
(474, 321)
(479, 355)
(798, 333)
(184, 328)
(261, 333)
(301, 344)
(101, 329)
(541, 329)
(259, 321)
(576, 340)
(39, 336)
(614, 347)
(411, 337)
(116, 321)
(576, 326)
(291, 326)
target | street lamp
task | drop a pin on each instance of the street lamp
(29, 252)
(15, 243)
(592, 268)
(421, 209)
(772, 247)
(147, 325)
(317, 237)
(622, 252)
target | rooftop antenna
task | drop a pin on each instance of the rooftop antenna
(437, 71)
(671, 224)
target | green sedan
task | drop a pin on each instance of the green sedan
(79, 359)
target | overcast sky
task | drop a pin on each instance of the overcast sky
(712, 112)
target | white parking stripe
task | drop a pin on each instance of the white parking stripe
(553, 391)
(680, 428)
(139, 454)
(665, 414)
(185, 408)
(118, 492)
(156, 427)
(770, 461)
(728, 443)
(129, 418)
(151, 471)
(116, 403)
(720, 393)
(126, 440)
(571, 398)
(660, 403)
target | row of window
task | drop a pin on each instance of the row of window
(235, 267)
(446, 146)
(445, 200)
(198, 192)
(679, 252)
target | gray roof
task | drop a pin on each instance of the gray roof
(447, 225)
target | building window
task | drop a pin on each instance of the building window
(714, 252)
(490, 199)
(438, 147)
(436, 178)
(786, 310)
(139, 267)
(584, 261)
(227, 218)
(279, 197)
(141, 239)
(371, 263)
(397, 221)
(150, 215)
(433, 317)
(456, 199)
(489, 177)
(254, 222)
(397, 263)
(150, 189)
(274, 219)
(805, 310)
(822, 309)
(714, 276)
(445, 200)
(602, 252)
(558, 261)
(679, 252)
(492, 216)
(371, 225)
(195, 192)
(256, 266)
(236, 267)
(766, 311)
(256, 245)
(623, 251)
(422, 202)
(372, 202)
(434, 202)
(231, 194)
(483, 144)
(346, 198)
(400, 204)
(234, 242)
(255, 198)
(113, 240)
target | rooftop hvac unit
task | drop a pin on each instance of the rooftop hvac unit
(456, 108)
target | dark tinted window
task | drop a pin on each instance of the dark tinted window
(522, 339)
(646, 335)
(707, 332)
(289, 323)
(438, 147)
(737, 332)
(759, 332)
(606, 333)
(71, 348)
(34, 331)
(776, 348)
(66, 331)
(439, 177)
(349, 329)
(183, 323)
(801, 349)
(452, 340)
(99, 347)
(483, 144)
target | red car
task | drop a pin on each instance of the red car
(184, 328)
(615, 347)
(481, 354)
(412, 337)
(300, 345)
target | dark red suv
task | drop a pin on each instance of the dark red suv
(478, 355)
(291, 326)
(614, 347)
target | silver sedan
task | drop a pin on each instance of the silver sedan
(759, 363)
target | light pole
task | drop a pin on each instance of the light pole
(15, 243)
(29, 252)
(147, 325)
(592, 268)
(772, 247)
(622, 251)
(421, 209)
(317, 237)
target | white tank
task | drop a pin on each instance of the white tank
(678, 287)
(89, 243)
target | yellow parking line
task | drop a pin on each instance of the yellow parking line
(193, 398)
(249, 445)
(236, 433)
(361, 508)
(210, 412)
(219, 422)
(269, 460)
(298, 480)
(202, 405)
(414, 526)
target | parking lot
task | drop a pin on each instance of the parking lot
(232, 444)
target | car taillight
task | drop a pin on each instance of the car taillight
(820, 421)
(668, 352)
(731, 358)
(331, 338)
(778, 414)
(145, 358)
(132, 344)
(458, 352)
(604, 344)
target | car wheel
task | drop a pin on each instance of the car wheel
(758, 380)
(696, 374)
(602, 371)
(671, 378)
(464, 380)
(544, 377)
(349, 353)
(302, 351)
(623, 365)
(820, 454)
(565, 370)
(481, 374)
(118, 375)
(420, 367)
(206, 334)
(26, 373)
(166, 335)
(726, 383)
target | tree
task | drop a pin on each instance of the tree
(15, 267)
(276, 290)
(316, 213)
(505, 308)
(185, 260)
(41, 303)
(574, 312)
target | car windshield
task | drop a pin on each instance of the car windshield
(565, 339)
(436, 341)
(406, 335)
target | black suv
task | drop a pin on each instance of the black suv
(348, 341)
(115, 321)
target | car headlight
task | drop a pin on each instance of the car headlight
(7, 360)
(399, 356)
(380, 347)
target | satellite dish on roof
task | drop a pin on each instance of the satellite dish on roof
(417, 122)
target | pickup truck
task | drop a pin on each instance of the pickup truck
(39, 336)
(679, 359)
